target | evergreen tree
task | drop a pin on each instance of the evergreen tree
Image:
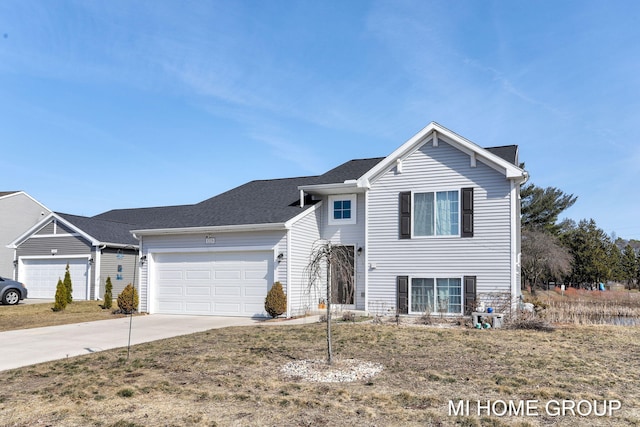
(276, 301)
(589, 246)
(61, 297)
(629, 265)
(542, 206)
(108, 296)
(128, 299)
(67, 285)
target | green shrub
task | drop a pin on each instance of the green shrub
(67, 285)
(61, 297)
(108, 293)
(128, 299)
(276, 301)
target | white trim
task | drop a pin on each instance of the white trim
(366, 252)
(288, 274)
(431, 133)
(212, 249)
(353, 198)
(437, 236)
(347, 187)
(43, 223)
(210, 229)
(515, 256)
(17, 193)
(435, 278)
(289, 224)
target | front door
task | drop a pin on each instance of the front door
(343, 275)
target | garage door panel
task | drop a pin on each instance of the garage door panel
(198, 307)
(170, 291)
(228, 283)
(170, 275)
(41, 276)
(228, 275)
(191, 291)
(198, 275)
(225, 291)
(255, 291)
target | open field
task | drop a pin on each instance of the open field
(232, 377)
(24, 316)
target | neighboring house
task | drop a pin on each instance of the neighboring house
(94, 249)
(433, 227)
(18, 213)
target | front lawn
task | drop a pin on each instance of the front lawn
(24, 316)
(232, 377)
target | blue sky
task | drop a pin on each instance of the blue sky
(119, 104)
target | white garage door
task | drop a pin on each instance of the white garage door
(225, 284)
(41, 276)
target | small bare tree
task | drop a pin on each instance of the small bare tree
(543, 255)
(329, 262)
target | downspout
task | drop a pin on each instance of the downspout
(366, 251)
(98, 270)
(288, 273)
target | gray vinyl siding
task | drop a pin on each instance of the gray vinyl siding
(109, 263)
(18, 213)
(47, 229)
(65, 245)
(486, 255)
(304, 233)
(223, 241)
(353, 235)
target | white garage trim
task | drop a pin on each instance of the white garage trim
(218, 281)
(45, 287)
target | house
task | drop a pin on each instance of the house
(18, 212)
(433, 227)
(94, 249)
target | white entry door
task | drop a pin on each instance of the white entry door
(41, 276)
(224, 284)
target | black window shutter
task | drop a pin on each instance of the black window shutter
(469, 294)
(405, 215)
(402, 285)
(467, 212)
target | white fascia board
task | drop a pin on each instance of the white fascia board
(119, 245)
(470, 148)
(289, 224)
(17, 193)
(214, 229)
(348, 187)
(44, 222)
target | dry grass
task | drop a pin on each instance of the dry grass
(231, 377)
(578, 306)
(25, 316)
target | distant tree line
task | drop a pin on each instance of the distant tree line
(579, 255)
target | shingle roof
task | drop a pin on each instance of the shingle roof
(101, 230)
(256, 202)
(272, 201)
(506, 152)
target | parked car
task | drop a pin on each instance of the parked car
(11, 291)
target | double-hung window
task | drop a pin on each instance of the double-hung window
(436, 295)
(436, 213)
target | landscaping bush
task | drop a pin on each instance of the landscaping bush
(67, 285)
(61, 297)
(128, 299)
(108, 293)
(276, 301)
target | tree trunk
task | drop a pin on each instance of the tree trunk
(329, 350)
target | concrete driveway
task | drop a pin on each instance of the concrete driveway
(30, 346)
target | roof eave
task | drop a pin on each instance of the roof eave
(210, 229)
(347, 187)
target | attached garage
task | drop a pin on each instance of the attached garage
(212, 283)
(41, 276)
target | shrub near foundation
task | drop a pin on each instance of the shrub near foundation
(128, 299)
(276, 301)
(61, 297)
(108, 293)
